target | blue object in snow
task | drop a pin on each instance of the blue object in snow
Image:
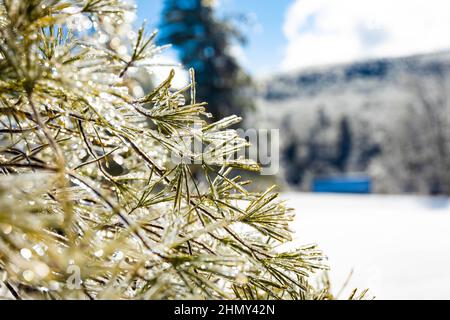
(342, 184)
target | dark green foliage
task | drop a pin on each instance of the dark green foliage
(322, 155)
(344, 144)
(204, 43)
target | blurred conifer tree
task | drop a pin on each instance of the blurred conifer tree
(204, 43)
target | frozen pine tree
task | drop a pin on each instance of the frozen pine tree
(92, 205)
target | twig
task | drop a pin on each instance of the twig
(116, 211)
(96, 159)
(29, 165)
(54, 145)
(13, 291)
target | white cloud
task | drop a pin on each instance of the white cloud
(334, 31)
(239, 54)
(163, 64)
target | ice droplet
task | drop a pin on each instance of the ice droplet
(41, 269)
(28, 275)
(241, 279)
(118, 255)
(98, 253)
(6, 228)
(54, 285)
(26, 253)
(39, 249)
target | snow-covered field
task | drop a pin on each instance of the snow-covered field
(397, 246)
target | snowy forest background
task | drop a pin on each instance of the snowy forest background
(387, 118)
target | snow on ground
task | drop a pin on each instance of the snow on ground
(397, 246)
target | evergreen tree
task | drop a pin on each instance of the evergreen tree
(204, 43)
(344, 148)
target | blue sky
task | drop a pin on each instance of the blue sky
(294, 34)
(264, 52)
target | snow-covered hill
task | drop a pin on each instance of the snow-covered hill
(398, 246)
(357, 77)
(396, 114)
